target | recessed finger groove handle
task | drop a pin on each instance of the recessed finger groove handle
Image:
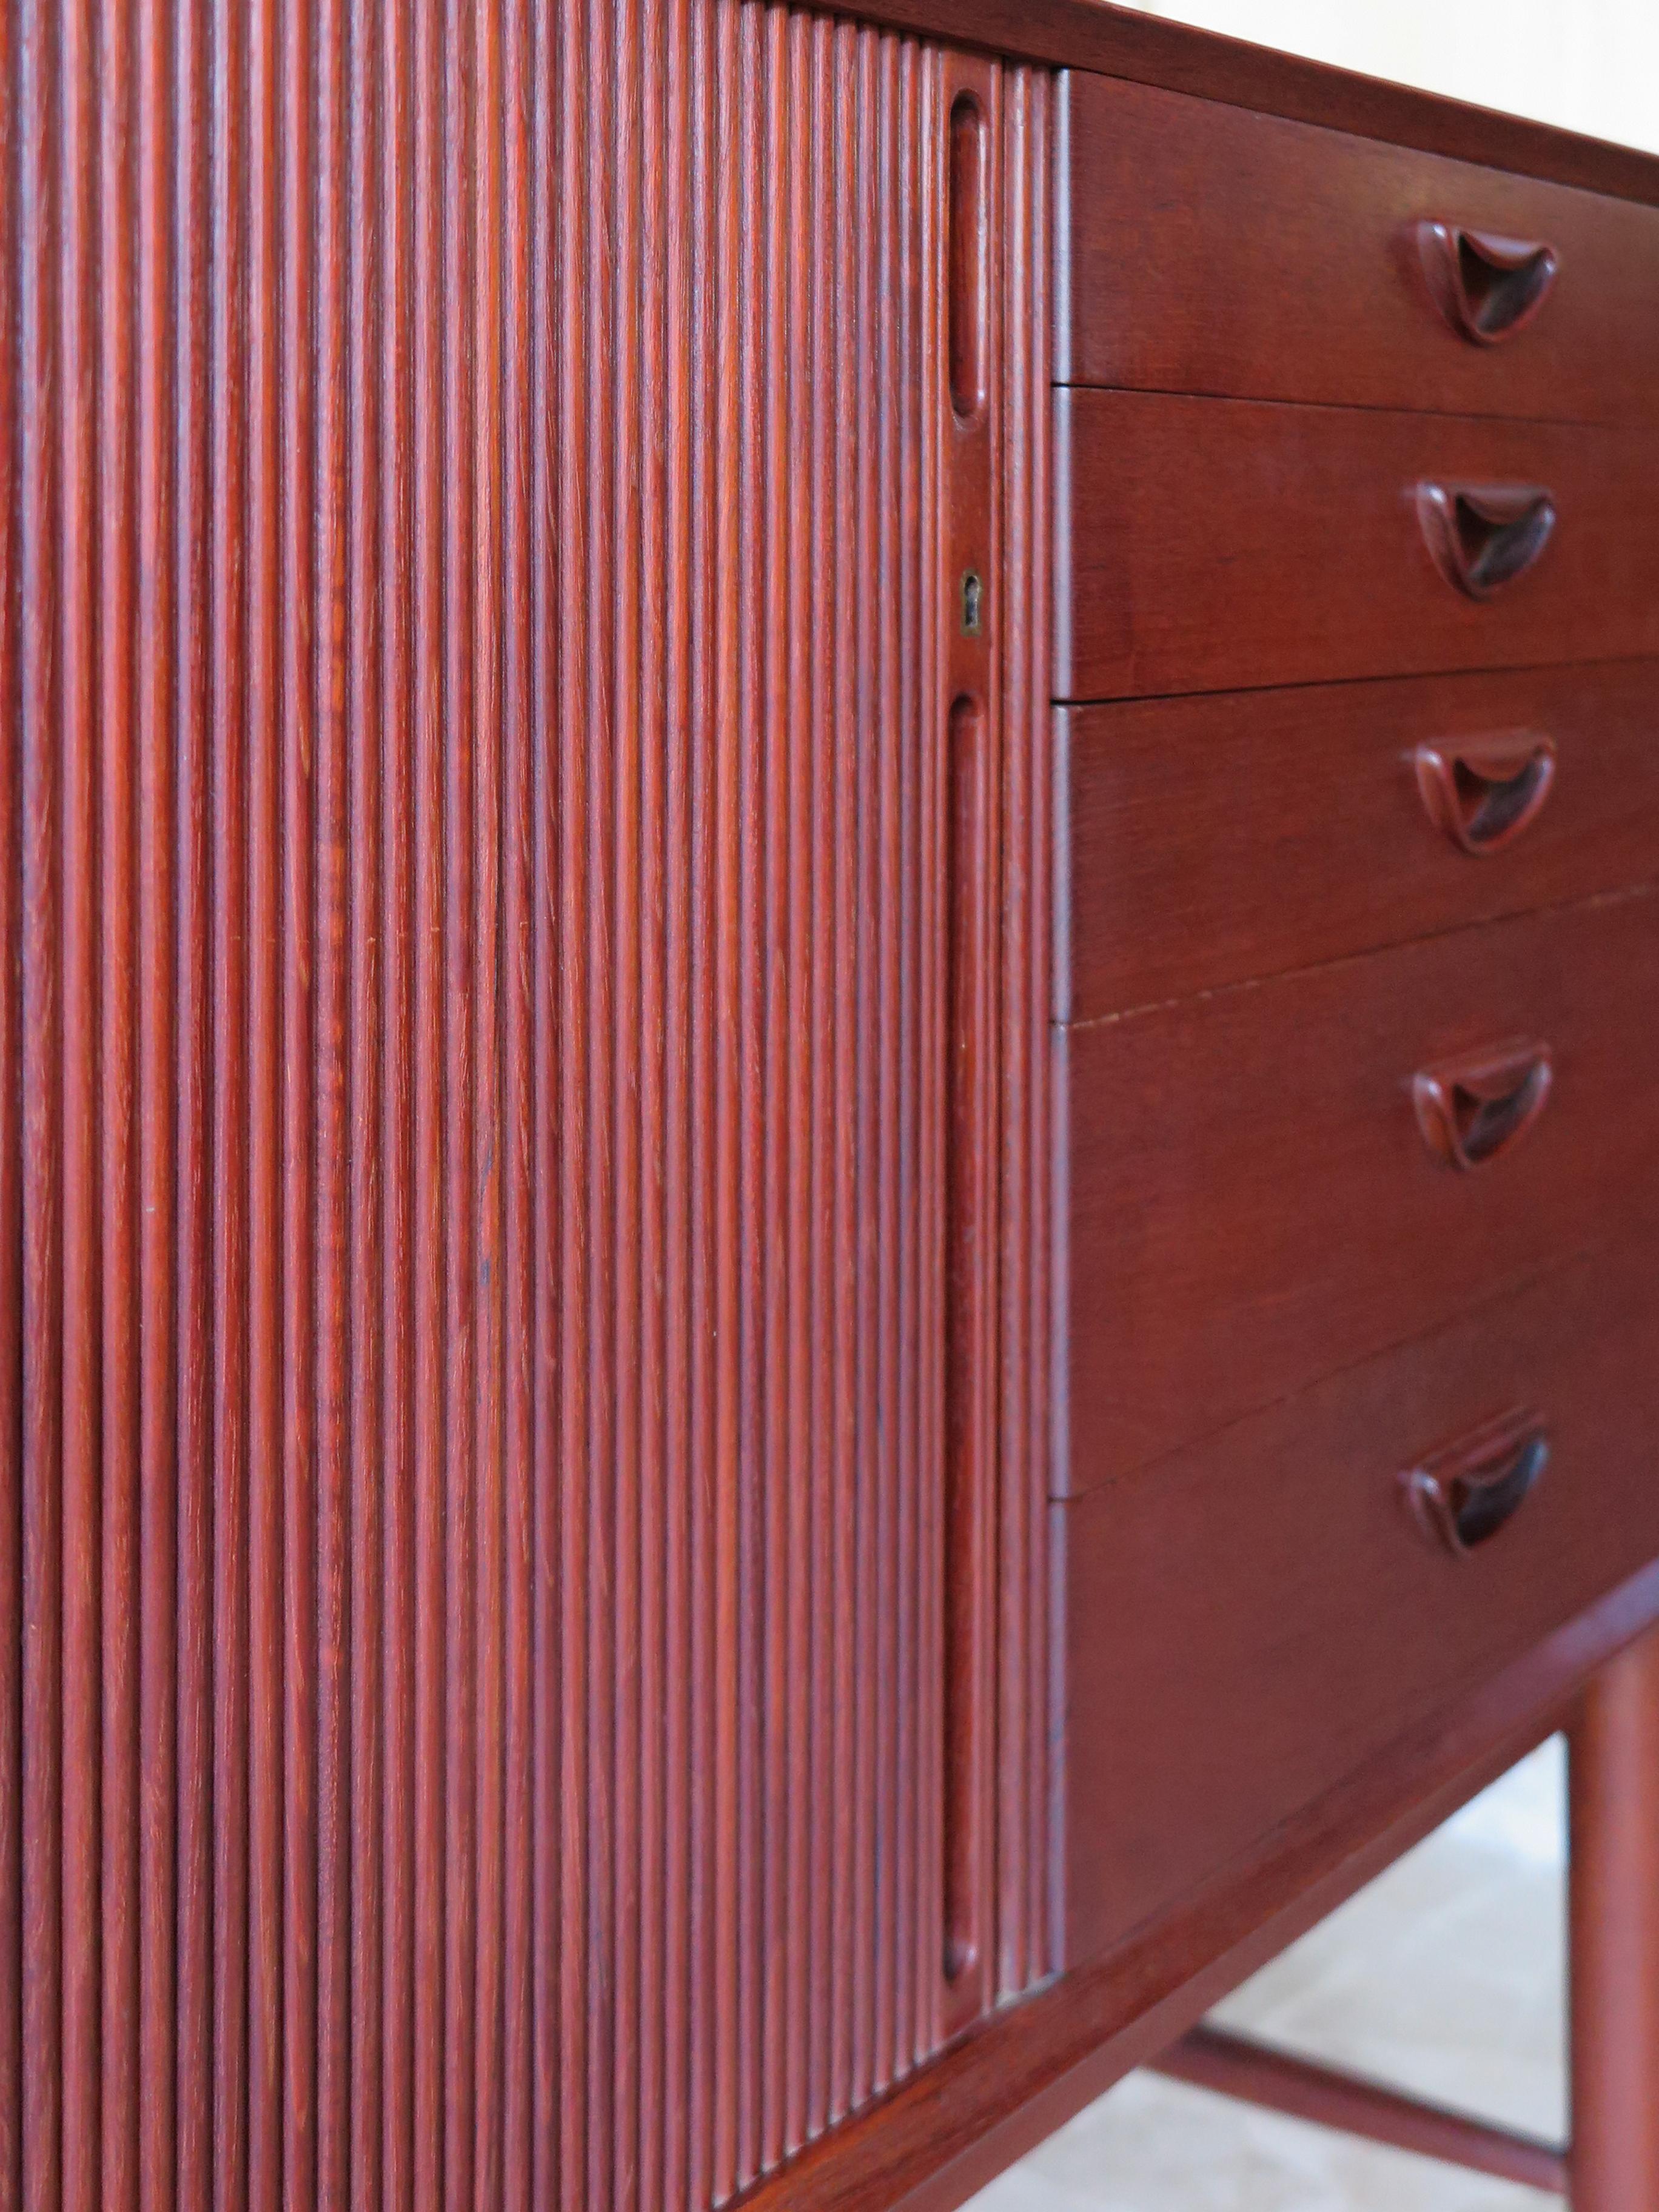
(1484, 535)
(1481, 794)
(1469, 1111)
(1463, 1494)
(1487, 287)
(969, 277)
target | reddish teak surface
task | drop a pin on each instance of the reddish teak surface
(575, 1192)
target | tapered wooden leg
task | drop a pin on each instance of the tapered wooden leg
(1614, 1883)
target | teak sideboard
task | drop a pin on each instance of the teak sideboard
(828, 1083)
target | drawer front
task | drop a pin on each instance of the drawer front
(1253, 1201)
(1212, 544)
(1187, 819)
(1262, 1616)
(1208, 249)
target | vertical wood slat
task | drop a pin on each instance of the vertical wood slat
(521, 1323)
(1024, 1786)
(371, 1573)
(426, 1232)
(338, 743)
(265, 1396)
(118, 1191)
(13, 576)
(39, 1302)
(79, 1623)
(228, 795)
(399, 1423)
(473, 1097)
(192, 1049)
(301, 494)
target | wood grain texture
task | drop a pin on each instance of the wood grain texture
(1214, 545)
(987, 2099)
(1187, 818)
(1322, 294)
(1127, 43)
(1252, 1203)
(1308, 1622)
(1027, 1124)
(478, 1118)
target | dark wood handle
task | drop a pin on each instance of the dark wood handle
(1482, 795)
(1485, 286)
(1464, 1493)
(1484, 535)
(970, 233)
(1470, 1111)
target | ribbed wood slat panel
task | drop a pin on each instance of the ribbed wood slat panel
(473, 1106)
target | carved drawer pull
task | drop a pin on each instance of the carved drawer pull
(1485, 286)
(1470, 1111)
(1482, 795)
(1484, 535)
(1463, 1495)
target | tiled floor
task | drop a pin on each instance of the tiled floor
(1445, 1977)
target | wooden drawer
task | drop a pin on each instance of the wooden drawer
(1252, 1201)
(1205, 248)
(1188, 818)
(1212, 544)
(1260, 1616)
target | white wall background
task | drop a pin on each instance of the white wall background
(1590, 65)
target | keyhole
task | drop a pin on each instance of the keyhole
(973, 605)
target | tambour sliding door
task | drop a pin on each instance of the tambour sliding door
(524, 1185)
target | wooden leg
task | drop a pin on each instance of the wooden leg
(1614, 1884)
(1614, 2163)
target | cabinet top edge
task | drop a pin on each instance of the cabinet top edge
(1109, 41)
